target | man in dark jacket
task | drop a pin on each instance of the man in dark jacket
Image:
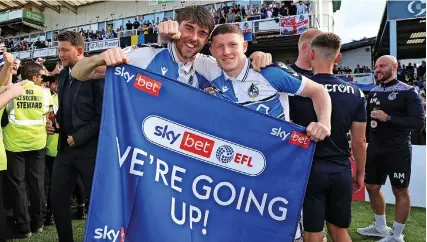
(79, 117)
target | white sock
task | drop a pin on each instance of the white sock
(397, 229)
(380, 221)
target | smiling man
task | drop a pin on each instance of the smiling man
(177, 61)
(260, 91)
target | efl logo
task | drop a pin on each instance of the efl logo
(299, 139)
(202, 146)
(147, 84)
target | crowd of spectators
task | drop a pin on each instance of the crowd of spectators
(239, 13)
(23, 44)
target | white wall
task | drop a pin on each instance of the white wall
(356, 56)
(417, 184)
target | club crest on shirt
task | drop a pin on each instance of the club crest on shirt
(253, 91)
(392, 96)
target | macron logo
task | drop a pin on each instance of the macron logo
(121, 71)
(147, 85)
(164, 70)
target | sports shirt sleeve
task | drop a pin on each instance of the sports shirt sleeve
(415, 112)
(141, 57)
(207, 67)
(284, 79)
(360, 114)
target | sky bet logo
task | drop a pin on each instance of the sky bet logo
(109, 234)
(190, 142)
(202, 146)
(296, 138)
(142, 82)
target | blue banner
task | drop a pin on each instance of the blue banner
(177, 164)
(397, 10)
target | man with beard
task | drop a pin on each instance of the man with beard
(79, 117)
(176, 61)
(394, 108)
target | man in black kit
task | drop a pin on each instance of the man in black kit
(79, 117)
(394, 108)
(330, 186)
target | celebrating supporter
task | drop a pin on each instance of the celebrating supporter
(6, 94)
(176, 61)
(79, 116)
(24, 141)
(329, 190)
(394, 109)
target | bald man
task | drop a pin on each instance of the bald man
(394, 108)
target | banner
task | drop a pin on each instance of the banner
(33, 16)
(294, 25)
(45, 52)
(104, 44)
(178, 164)
(247, 29)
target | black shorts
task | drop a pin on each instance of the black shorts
(396, 164)
(328, 197)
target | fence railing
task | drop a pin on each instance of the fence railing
(259, 26)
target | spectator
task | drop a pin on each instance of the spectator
(292, 8)
(421, 70)
(301, 8)
(358, 69)
(226, 8)
(237, 17)
(284, 10)
(230, 16)
(136, 24)
(129, 25)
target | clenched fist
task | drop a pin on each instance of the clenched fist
(169, 30)
(318, 131)
(112, 57)
(7, 57)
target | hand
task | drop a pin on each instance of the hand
(112, 57)
(8, 57)
(379, 115)
(358, 182)
(50, 129)
(16, 89)
(318, 131)
(210, 90)
(260, 60)
(70, 141)
(169, 30)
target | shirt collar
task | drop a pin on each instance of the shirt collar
(243, 74)
(188, 66)
(389, 84)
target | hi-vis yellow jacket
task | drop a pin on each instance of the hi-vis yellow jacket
(26, 130)
(52, 140)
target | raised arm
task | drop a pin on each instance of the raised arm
(95, 66)
(6, 71)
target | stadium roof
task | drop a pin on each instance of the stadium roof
(358, 43)
(410, 17)
(55, 5)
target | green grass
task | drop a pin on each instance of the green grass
(415, 229)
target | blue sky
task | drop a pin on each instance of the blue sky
(367, 22)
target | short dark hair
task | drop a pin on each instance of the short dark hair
(329, 44)
(226, 29)
(29, 70)
(198, 15)
(73, 37)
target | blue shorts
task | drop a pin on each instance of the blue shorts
(328, 198)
